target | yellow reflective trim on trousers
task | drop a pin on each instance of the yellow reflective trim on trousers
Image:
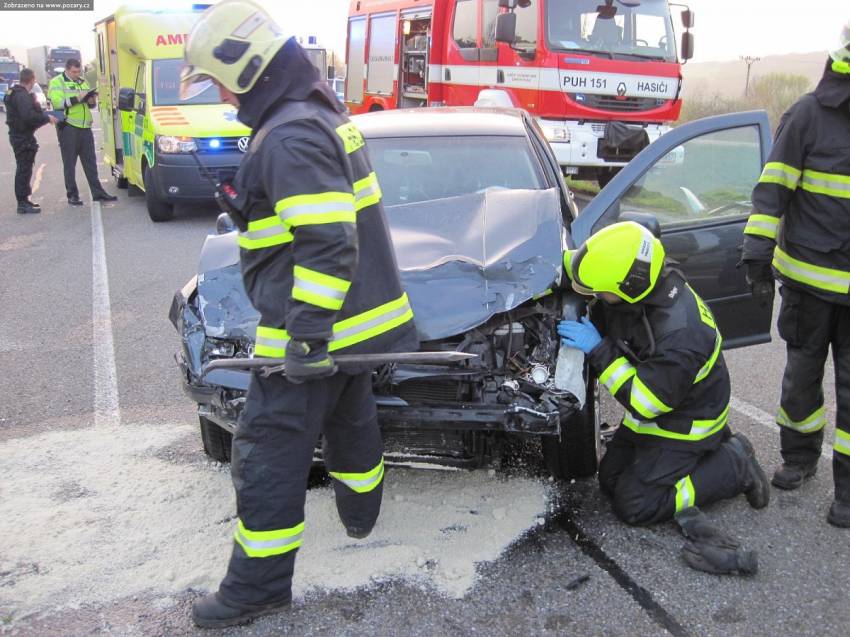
(645, 402)
(700, 429)
(762, 226)
(814, 275)
(268, 543)
(319, 289)
(361, 482)
(709, 365)
(776, 172)
(326, 207)
(842, 442)
(271, 342)
(617, 373)
(826, 184)
(351, 137)
(265, 233)
(685, 494)
(367, 192)
(810, 424)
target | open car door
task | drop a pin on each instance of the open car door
(696, 181)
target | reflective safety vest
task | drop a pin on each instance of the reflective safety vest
(801, 204)
(673, 382)
(64, 94)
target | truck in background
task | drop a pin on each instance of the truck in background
(10, 68)
(47, 62)
(601, 77)
(171, 149)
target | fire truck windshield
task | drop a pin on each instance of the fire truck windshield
(618, 29)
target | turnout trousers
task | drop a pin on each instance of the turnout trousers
(73, 143)
(25, 151)
(272, 455)
(650, 483)
(810, 326)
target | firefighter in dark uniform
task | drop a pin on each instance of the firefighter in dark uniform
(24, 116)
(319, 267)
(661, 359)
(800, 226)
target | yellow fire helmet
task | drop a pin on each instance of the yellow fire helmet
(232, 42)
(841, 55)
(624, 259)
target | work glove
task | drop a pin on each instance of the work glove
(760, 278)
(579, 335)
(710, 550)
(307, 360)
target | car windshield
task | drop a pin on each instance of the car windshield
(166, 86)
(426, 168)
(620, 29)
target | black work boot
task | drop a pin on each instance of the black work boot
(357, 532)
(33, 204)
(25, 207)
(756, 486)
(839, 514)
(790, 475)
(212, 611)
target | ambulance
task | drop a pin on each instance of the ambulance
(173, 150)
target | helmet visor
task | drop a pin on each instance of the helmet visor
(193, 82)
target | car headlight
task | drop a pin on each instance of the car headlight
(170, 144)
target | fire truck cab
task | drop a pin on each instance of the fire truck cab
(601, 77)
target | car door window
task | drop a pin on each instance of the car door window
(708, 178)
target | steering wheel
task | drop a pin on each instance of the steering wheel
(662, 43)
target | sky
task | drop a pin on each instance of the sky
(724, 29)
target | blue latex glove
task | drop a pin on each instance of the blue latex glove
(583, 336)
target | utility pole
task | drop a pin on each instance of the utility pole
(749, 61)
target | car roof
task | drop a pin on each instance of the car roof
(442, 121)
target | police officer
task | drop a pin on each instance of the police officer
(801, 226)
(661, 359)
(318, 265)
(23, 117)
(69, 92)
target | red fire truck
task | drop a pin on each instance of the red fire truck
(602, 77)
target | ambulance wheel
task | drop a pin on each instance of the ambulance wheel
(122, 183)
(577, 452)
(217, 441)
(158, 210)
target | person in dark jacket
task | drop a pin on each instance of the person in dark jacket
(319, 267)
(661, 359)
(799, 232)
(23, 117)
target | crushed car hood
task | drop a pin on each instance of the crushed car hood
(462, 260)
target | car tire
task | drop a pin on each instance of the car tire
(217, 441)
(576, 453)
(158, 210)
(604, 175)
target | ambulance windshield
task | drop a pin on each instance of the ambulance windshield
(166, 86)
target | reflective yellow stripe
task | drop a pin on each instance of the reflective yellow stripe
(842, 442)
(704, 311)
(709, 365)
(762, 226)
(826, 184)
(778, 173)
(361, 482)
(813, 275)
(318, 289)
(645, 402)
(367, 192)
(616, 374)
(840, 66)
(268, 543)
(700, 429)
(326, 207)
(264, 233)
(685, 494)
(351, 137)
(812, 423)
(271, 342)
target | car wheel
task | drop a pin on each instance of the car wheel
(217, 441)
(576, 453)
(158, 210)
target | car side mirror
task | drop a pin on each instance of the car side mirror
(506, 28)
(687, 45)
(646, 219)
(126, 99)
(224, 224)
(688, 19)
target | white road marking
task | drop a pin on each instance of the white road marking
(763, 418)
(38, 175)
(106, 406)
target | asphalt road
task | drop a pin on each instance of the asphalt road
(583, 573)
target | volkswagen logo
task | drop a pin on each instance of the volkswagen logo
(242, 144)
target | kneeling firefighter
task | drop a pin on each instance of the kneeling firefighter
(661, 359)
(319, 267)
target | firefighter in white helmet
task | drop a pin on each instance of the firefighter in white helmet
(319, 267)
